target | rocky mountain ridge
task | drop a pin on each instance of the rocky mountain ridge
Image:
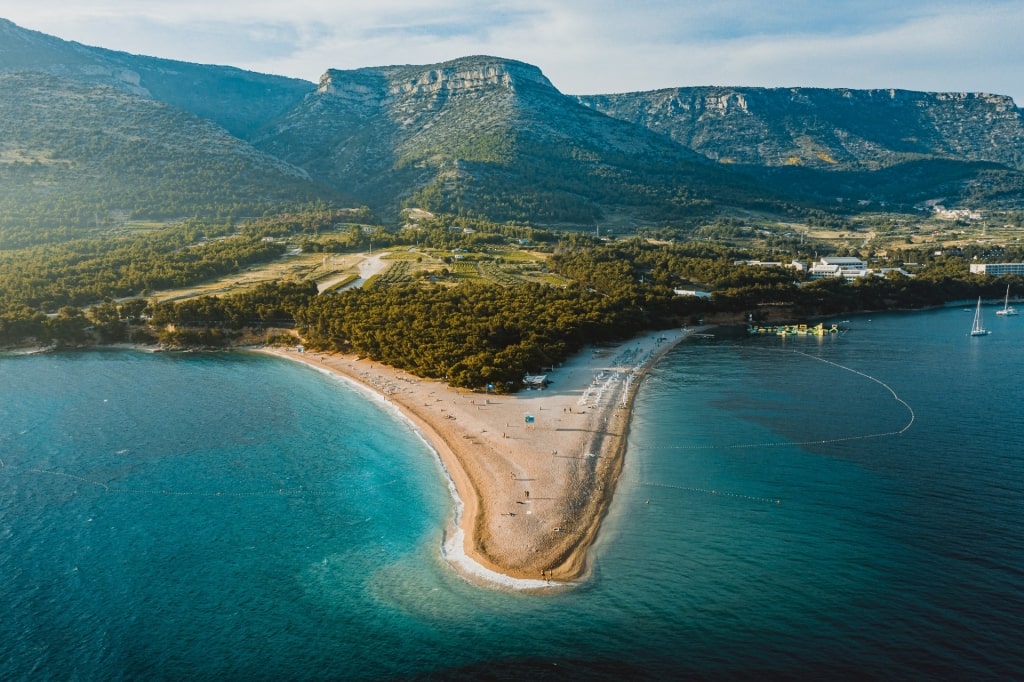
(463, 75)
(826, 128)
(494, 137)
(482, 134)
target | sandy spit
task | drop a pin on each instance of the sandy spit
(532, 474)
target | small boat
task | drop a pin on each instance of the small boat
(976, 328)
(1007, 308)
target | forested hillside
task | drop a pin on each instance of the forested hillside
(240, 101)
(836, 129)
(885, 146)
(493, 138)
(121, 175)
(480, 136)
(474, 335)
(76, 157)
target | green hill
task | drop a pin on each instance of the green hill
(91, 136)
(492, 137)
(75, 156)
(892, 146)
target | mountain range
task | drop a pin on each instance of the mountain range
(88, 135)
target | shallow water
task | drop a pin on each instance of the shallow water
(236, 516)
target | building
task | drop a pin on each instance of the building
(845, 262)
(884, 272)
(692, 292)
(846, 267)
(997, 269)
(849, 269)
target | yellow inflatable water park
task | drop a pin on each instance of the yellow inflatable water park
(794, 329)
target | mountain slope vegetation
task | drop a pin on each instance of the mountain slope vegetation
(240, 101)
(78, 157)
(836, 129)
(893, 146)
(93, 135)
(487, 136)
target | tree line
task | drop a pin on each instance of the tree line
(473, 334)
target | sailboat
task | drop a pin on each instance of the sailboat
(1007, 308)
(976, 328)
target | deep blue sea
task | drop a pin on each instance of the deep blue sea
(842, 508)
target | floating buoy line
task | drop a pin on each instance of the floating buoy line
(770, 500)
(708, 491)
(826, 441)
(306, 492)
(896, 397)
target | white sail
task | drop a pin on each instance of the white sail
(977, 329)
(1007, 309)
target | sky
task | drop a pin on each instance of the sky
(583, 47)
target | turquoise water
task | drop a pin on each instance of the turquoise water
(845, 507)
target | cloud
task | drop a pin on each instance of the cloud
(477, 26)
(209, 41)
(958, 52)
(584, 46)
(957, 47)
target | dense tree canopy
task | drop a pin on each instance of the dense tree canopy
(475, 333)
(469, 335)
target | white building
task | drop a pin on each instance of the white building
(849, 269)
(845, 262)
(846, 267)
(997, 269)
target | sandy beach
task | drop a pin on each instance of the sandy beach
(533, 473)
